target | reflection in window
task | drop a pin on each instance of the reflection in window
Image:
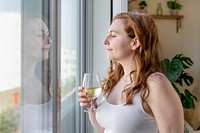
(25, 74)
(10, 26)
(36, 94)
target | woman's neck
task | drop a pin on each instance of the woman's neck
(128, 66)
(29, 70)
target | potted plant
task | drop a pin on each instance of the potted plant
(143, 5)
(174, 6)
(174, 69)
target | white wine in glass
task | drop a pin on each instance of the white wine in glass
(92, 85)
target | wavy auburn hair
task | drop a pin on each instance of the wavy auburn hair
(146, 57)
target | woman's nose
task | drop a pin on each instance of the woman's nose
(106, 42)
(49, 40)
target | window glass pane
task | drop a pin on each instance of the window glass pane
(69, 64)
(36, 92)
(10, 37)
(25, 79)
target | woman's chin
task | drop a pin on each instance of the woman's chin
(45, 56)
(110, 57)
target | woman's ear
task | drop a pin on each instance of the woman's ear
(135, 43)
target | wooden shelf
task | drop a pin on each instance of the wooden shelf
(176, 17)
(129, 1)
(167, 16)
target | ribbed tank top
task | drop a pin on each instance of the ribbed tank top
(125, 118)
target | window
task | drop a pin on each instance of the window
(70, 40)
(37, 90)
(10, 33)
(32, 33)
(27, 39)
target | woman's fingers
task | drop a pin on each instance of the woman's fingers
(85, 104)
(83, 98)
(80, 88)
(81, 92)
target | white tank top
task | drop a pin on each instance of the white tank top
(125, 118)
(37, 118)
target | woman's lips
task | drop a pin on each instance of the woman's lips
(46, 48)
(109, 49)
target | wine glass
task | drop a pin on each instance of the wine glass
(92, 85)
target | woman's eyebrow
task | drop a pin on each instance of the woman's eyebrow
(111, 31)
(42, 30)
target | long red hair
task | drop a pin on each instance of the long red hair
(146, 57)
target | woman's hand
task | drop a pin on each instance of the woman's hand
(83, 98)
(85, 102)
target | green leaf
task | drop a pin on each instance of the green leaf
(179, 81)
(186, 61)
(174, 5)
(176, 89)
(188, 94)
(186, 78)
(142, 4)
(188, 99)
(172, 69)
(187, 102)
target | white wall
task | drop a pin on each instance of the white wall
(119, 6)
(187, 41)
(101, 23)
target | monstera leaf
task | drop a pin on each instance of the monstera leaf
(186, 61)
(188, 100)
(186, 78)
(173, 69)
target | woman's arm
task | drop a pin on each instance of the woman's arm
(165, 105)
(95, 124)
(86, 103)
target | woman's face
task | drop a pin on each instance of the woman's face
(37, 41)
(117, 42)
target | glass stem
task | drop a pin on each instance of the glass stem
(92, 107)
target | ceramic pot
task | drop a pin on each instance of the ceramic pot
(174, 11)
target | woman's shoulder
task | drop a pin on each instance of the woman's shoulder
(162, 94)
(164, 101)
(158, 83)
(156, 76)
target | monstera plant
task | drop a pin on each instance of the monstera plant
(174, 69)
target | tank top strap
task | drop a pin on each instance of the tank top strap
(153, 74)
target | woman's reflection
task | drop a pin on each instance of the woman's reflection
(36, 93)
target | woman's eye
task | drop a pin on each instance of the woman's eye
(113, 35)
(42, 35)
(39, 34)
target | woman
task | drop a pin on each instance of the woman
(36, 108)
(137, 97)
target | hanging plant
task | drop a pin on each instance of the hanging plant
(143, 4)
